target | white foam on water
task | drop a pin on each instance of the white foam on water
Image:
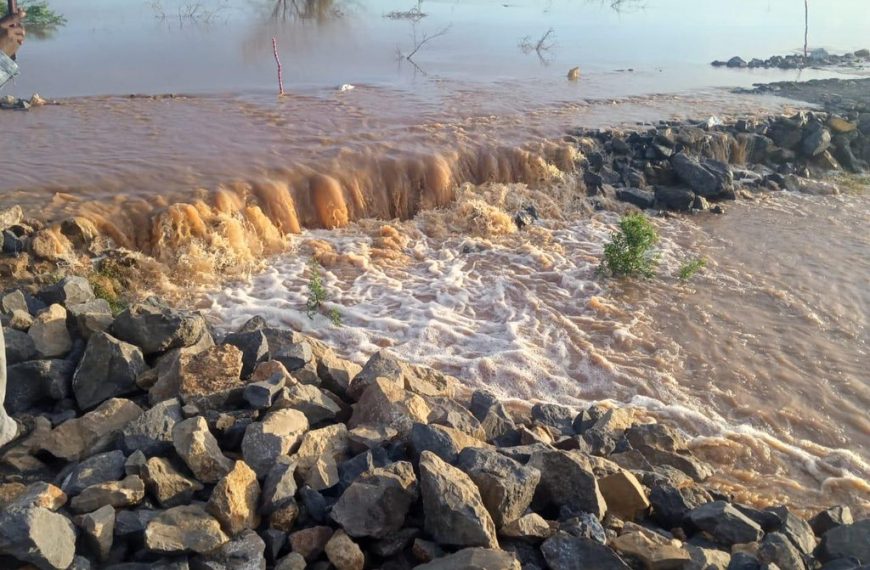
(525, 314)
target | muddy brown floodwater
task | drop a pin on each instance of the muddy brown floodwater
(404, 187)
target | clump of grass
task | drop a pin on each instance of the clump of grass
(691, 268)
(629, 252)
(105, 288)
(317, 295)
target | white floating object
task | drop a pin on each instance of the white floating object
(347, 87)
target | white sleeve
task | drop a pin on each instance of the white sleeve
(8, 68)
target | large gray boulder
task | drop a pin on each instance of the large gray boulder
(154, 327)
(848, 540)
(108, 368)
(707, 178)
(376, 504)
(724, 523)
(100, 468)
(455, 514)
(474, 559)
(566, 552)
(567, 480)
(151, 432)
(71, 290)
(30, 383)
(39, 536)
(506, 486)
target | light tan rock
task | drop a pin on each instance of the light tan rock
(310, 542)
(235, 498)
(199, 449)
(530, 527)
(624, 495)
(170, 487)
(319, 453)
(293, 561)
(118, 494)
(344, 553)
(278, 434)
(182, 530)
(92, 433)
(20, 320)
(655, 551)
(40, 494)
(49, 332)
(385, 403)
(98, 528)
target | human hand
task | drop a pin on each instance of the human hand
(12, 32)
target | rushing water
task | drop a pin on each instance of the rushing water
(763, 356)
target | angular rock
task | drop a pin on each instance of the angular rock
(566, 552)
(415, 379)
(658, 436)
(19, 346)
(154, 327)
(685, 462)
(91, 317)
(671, 504)
(254, 347)
(506, 486)
(376, 504)
(244, 552)
(653, 550)
(643, 199)
(35, 380)
(450, 413)
(49, 333)
(848, 540)
(68, 291)
(312, 402)
(167, 484)
(724, 523)
(235, 499)
(336, 373)
(99, 468)
(707, 178)
(454, 511)
(584, 525)
(825, 520)
(279, 488)
(152, 431)
(211, 378)
(817, 141)
(319, 454)
(261, 395)
(796, 530)
(493, 416)
(310, 542)
(293, 355)
(293, 561)
(777, 549)
(278, 434)
(567, 480)
(443, 441)
(109, 368)
(182, 530)
(38, 536)
(675, 198)
(98, 528)
(384, 403)
(93, 432)
(20, 321)
(119, 494)
(624, 495)
(199, 449)
(39, 494)
(528, 527)
(474, 559)
(344, 553)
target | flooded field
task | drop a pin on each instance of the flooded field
(404, 186)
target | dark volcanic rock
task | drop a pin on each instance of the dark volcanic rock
(707, 178)
(19, 346)
(779, 550)
(152, 431)
(724, 523)
(643, 199)
(796, 529)
(850, 540)
(32, 381)
(830, 518)
(473, 559)
(99, 468)
(555, 416)
(816, 142)
(566, 552)
(37, 535)
(506, 487)
(68, 291)
(675, 198)
(376, 504)
(254, 347)
(567, 480)
(154, 327)
(455, 514)
(108, 368)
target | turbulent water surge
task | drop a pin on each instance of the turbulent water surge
(760, 355)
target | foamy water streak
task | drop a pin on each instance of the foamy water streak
(525, 314)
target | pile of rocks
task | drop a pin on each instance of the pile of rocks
(684, 166)
(815, 58)
(148, 445)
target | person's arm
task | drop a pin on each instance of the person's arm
(11, 37)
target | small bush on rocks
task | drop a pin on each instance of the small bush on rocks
(691, 268)
(628, 253)
(317, 295)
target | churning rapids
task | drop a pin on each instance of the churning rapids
(405, 194)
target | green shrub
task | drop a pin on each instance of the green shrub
(628, 253)
(317, 295)
(39, 15)
(690, 268)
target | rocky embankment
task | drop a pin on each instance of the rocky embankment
(150, 443)
(695, 165)
(815, 58)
